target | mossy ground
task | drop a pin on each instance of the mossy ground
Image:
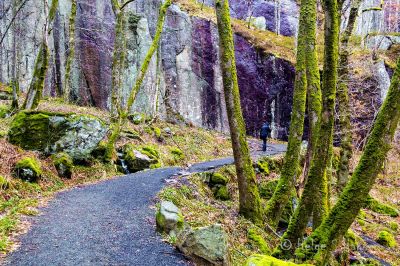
(199, 206)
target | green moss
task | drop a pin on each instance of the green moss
(4, 183)
(28, 169)
(4, 110)
(151, 151)
(258, 241)
(157, 133)
(394, 226)
(351, 239)
(100, 151)
(221, 192)
(218, 179)
(262, 167)
(265, 260)
(381, 208)
(386, 239)
(177, 155)
(63, 164)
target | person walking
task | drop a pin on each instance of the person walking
(265, 133)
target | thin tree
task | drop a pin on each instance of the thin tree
(121, 119)
(326, 237)
(346, 140)
(71, 51)
(41, 64)
(249, 199)
(314, 201)
(306, 77)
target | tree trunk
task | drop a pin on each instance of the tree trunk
(139, 80)
(323, 240)
(314, 201)
(306, 39)
(118, 63)
(71, 51)
(41, 64)
(249, 199)
(346, 147)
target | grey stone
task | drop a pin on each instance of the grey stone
(169, 217)
(207, 245)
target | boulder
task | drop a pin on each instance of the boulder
(169, 217)
(207, 245)
(28, 169)
(63, 164)
(137, 160)
(76, 135)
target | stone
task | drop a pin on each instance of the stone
(222, 193)
(50, 133)
(169, 217)
(386, 239)
(207, 245)
(63, 164)
(28, 169)
(258, 22)
(140, 160)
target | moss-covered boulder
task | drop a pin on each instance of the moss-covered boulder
(206, 245)
(221, 192)
(386, 239)
(4, 183)
(76, 135)
(28, 169)
(140, 159)
(257, 240)
(63, 164)
(265, 260)
(218, 179)
(169, 217)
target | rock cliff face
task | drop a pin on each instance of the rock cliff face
(185, 79)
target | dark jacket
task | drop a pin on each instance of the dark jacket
(265, 131)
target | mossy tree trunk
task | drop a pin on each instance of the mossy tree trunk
(305, 44)
(323, 240)
(120, 121)
(314, 201)
(119, 55)
(41, 64)
(346, 147)
(71, 51)
(249, 199)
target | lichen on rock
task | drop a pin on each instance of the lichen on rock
(76, 135)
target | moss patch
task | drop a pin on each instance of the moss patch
(28, 169)
(386, 239)
(264, 260)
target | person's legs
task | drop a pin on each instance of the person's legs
(264, 145)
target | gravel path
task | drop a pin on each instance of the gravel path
(108, 223)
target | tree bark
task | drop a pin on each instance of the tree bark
(41, 64)
(327, 236)
(249, 200)
(346, 144)
(71, 51)
(286, 184)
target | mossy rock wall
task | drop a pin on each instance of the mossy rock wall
(76, 135)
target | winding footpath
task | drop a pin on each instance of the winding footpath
(108, 223)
